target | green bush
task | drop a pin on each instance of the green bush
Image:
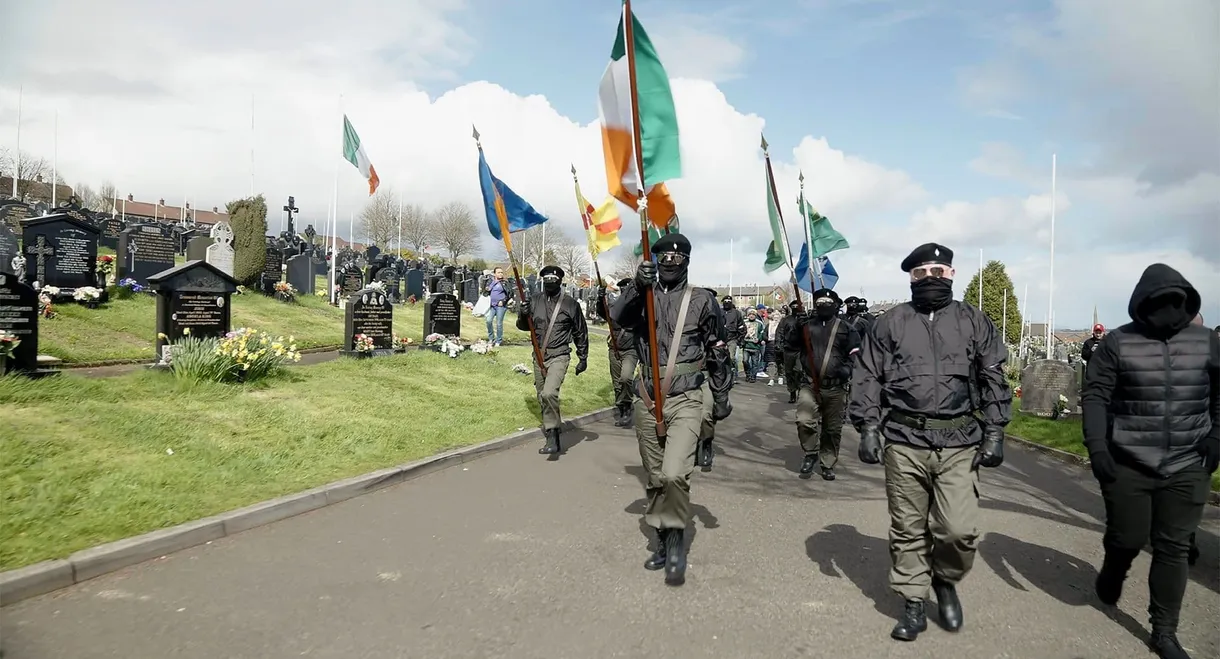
(248, 217)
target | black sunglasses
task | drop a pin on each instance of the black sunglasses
(671, 258)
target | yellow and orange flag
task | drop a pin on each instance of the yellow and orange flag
(601, 224)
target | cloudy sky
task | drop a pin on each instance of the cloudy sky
(912, 120)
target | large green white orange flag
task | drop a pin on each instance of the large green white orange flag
(777, 251)
(353, 151)
(658, 126)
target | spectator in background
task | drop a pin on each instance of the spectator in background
(1090, 344)
(752, 344)
(500, 293)
(1152, 428)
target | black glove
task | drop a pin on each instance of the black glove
(991, 452)
(1104, 469)
(646, 275)
(601, 291)
(525, 307)
(582, 365)
(1209, 448)
(721, 407)
(870, 445)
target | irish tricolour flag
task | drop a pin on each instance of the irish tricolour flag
(353, 151)
(658, 125)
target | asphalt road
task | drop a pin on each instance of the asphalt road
(516, 555)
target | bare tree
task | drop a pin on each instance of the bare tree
(87, 197)
(33, 174)
(379, 219)
(418, 228)
(107, 195)
(456, 230)
(627, 262)
(571, 255)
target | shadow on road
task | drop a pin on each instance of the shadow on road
(840, 550)
(1060, 575)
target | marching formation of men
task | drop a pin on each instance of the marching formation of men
(924, 387)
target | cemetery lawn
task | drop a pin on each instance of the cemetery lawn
(126, 329)
(85, 461)
(1065, 435)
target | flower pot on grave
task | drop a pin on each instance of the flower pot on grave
(92, 303)
(3, 365)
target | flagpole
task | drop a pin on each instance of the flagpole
(1024, 319)
(252, 140)
(399, 252)
(730, 267)
(658, 396)
(813, 374)
(1004, 322)
(17, 165)
(588, 222)
(55, 165)
(980, 279)
(334, 229)
(808, 240)
(1050, 305)
(506, 237)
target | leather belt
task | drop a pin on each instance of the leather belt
(921, 422)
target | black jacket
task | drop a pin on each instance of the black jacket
(786, 325)
(846, 339)
(570, 326)
(1152, 390)
(942, 365)
(698, 334)
(622, 336)
(734, 324)
(1086, 350)
(863, 322)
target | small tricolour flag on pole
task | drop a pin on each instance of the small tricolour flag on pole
(658, 129)
(353, 151)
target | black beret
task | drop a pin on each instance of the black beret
(851, 300)
(672, 242)
(826, 292)
(623, 282)
(928, 253)
(551, 270)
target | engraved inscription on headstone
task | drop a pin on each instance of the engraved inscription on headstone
(1043, 381)
(145, 250)
(369, 312)
(192, 296)
(19, 315)
(443, 315)
(60, 251)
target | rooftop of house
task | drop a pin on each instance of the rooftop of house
(160, 211)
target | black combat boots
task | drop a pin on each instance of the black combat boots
(808, 464)
(704, 453)
(1114, 568)
(552, 442)
(675, 557)
(914, 622)
(624, 419)
(657, 560)
(950, 607)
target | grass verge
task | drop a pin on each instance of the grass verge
(1065, 435)
(86, 461)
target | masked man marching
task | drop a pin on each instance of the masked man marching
(717, 354)
(788, 355)
(558, 322)
(927, 359)
(823, 392)
(623, 361)
(686, 327)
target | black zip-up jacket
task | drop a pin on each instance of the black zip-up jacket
(942, 365)
(622, 336)
(570, 326)
(734, 324)
(1086, 350)
(863, 322)
(1152, 391)
(846, 339)
(699, 332)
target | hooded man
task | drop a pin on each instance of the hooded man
(735, 329)
(824, 343)
(788, 355)
(559, 324)
(623, 361)
(1151, 416)
(687, 326)
(938, 365)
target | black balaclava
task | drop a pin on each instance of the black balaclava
(551, 284)
(672, 251)
(672, 274)
(727, 303)
(826, 310)
(931, 293)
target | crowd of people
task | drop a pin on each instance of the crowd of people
(924, 387)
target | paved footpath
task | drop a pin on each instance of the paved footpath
(519, 556)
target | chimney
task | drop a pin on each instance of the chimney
(130, 198)
(161, 202)
(188, 205)
(214, 210)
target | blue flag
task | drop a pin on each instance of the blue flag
(521, 215)
(823, 275)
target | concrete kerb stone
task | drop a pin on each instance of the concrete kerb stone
(1213, 497)
(48, 576)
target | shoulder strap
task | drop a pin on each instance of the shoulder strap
(675, 344)
(550, 326)
(834, 329)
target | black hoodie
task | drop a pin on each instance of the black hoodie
(1152, 392)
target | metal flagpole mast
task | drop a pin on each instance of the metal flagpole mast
(17, 165)
(1050, 296)
(808, 242)
(1004, 321)
(399, 252)
(252, 138)
(730, 267)
(334, 229)
(55, 165)
(980, 279)
(1024, 319)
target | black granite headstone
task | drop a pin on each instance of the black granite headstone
(192, 296)
(197, 248)
(60, 251)
(13, 212)
(111, 228)
(19, 316)
(273, 270)
(8, 248)
(415, 284)
(443, 315)
(145, 250)
(300, 274)
(350, 280)
(370, 313)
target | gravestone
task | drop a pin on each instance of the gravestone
(470, 291)
(300, 274)
(197, 248)
(184, 238)
(389, 277)
(415, 284)
(19, 316)
(111, 227)
(12, 212)
(194, 296)
(273, 270)
(350, 280)
(145, 250)
(60, 251)
(8, 248)
(443, 315)
(1043, 381)
(220, 253)
(369, 312)
(434, 284)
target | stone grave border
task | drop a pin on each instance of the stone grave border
(48, 576)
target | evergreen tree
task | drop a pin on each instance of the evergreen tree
(996, 286)
(248, 217)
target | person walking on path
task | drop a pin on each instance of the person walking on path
(718, 361)
(623, 361)
(938, 364)
(560, 325)
(823, 392)
(1151, 417)
(752, 344)
(788, 352)
(686, 326)
(735, 328)
(501, 293)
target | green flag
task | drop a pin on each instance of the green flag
(654, 234)
(777, 251)
(822, 234)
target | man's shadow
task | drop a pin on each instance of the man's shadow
(700, 515)
(1062, 576)
(841, 550)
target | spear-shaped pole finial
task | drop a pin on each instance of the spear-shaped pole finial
(573, 171)
(801, 178)
(764, 143)
(474, 132)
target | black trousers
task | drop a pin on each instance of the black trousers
(1140, 508)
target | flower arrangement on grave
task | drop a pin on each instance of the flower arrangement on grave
(402, 342)
(8, 345)
(378, 286)
(321, 292)
(450, 345)
(105, 268)
(1061, 406)
(468, 306)
(45, 307)
(522, 369)
(285, 292)
(362, 343)
(88, 296)
(125, 289)
(1017, 392)
(482, 347)
(411, 300)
